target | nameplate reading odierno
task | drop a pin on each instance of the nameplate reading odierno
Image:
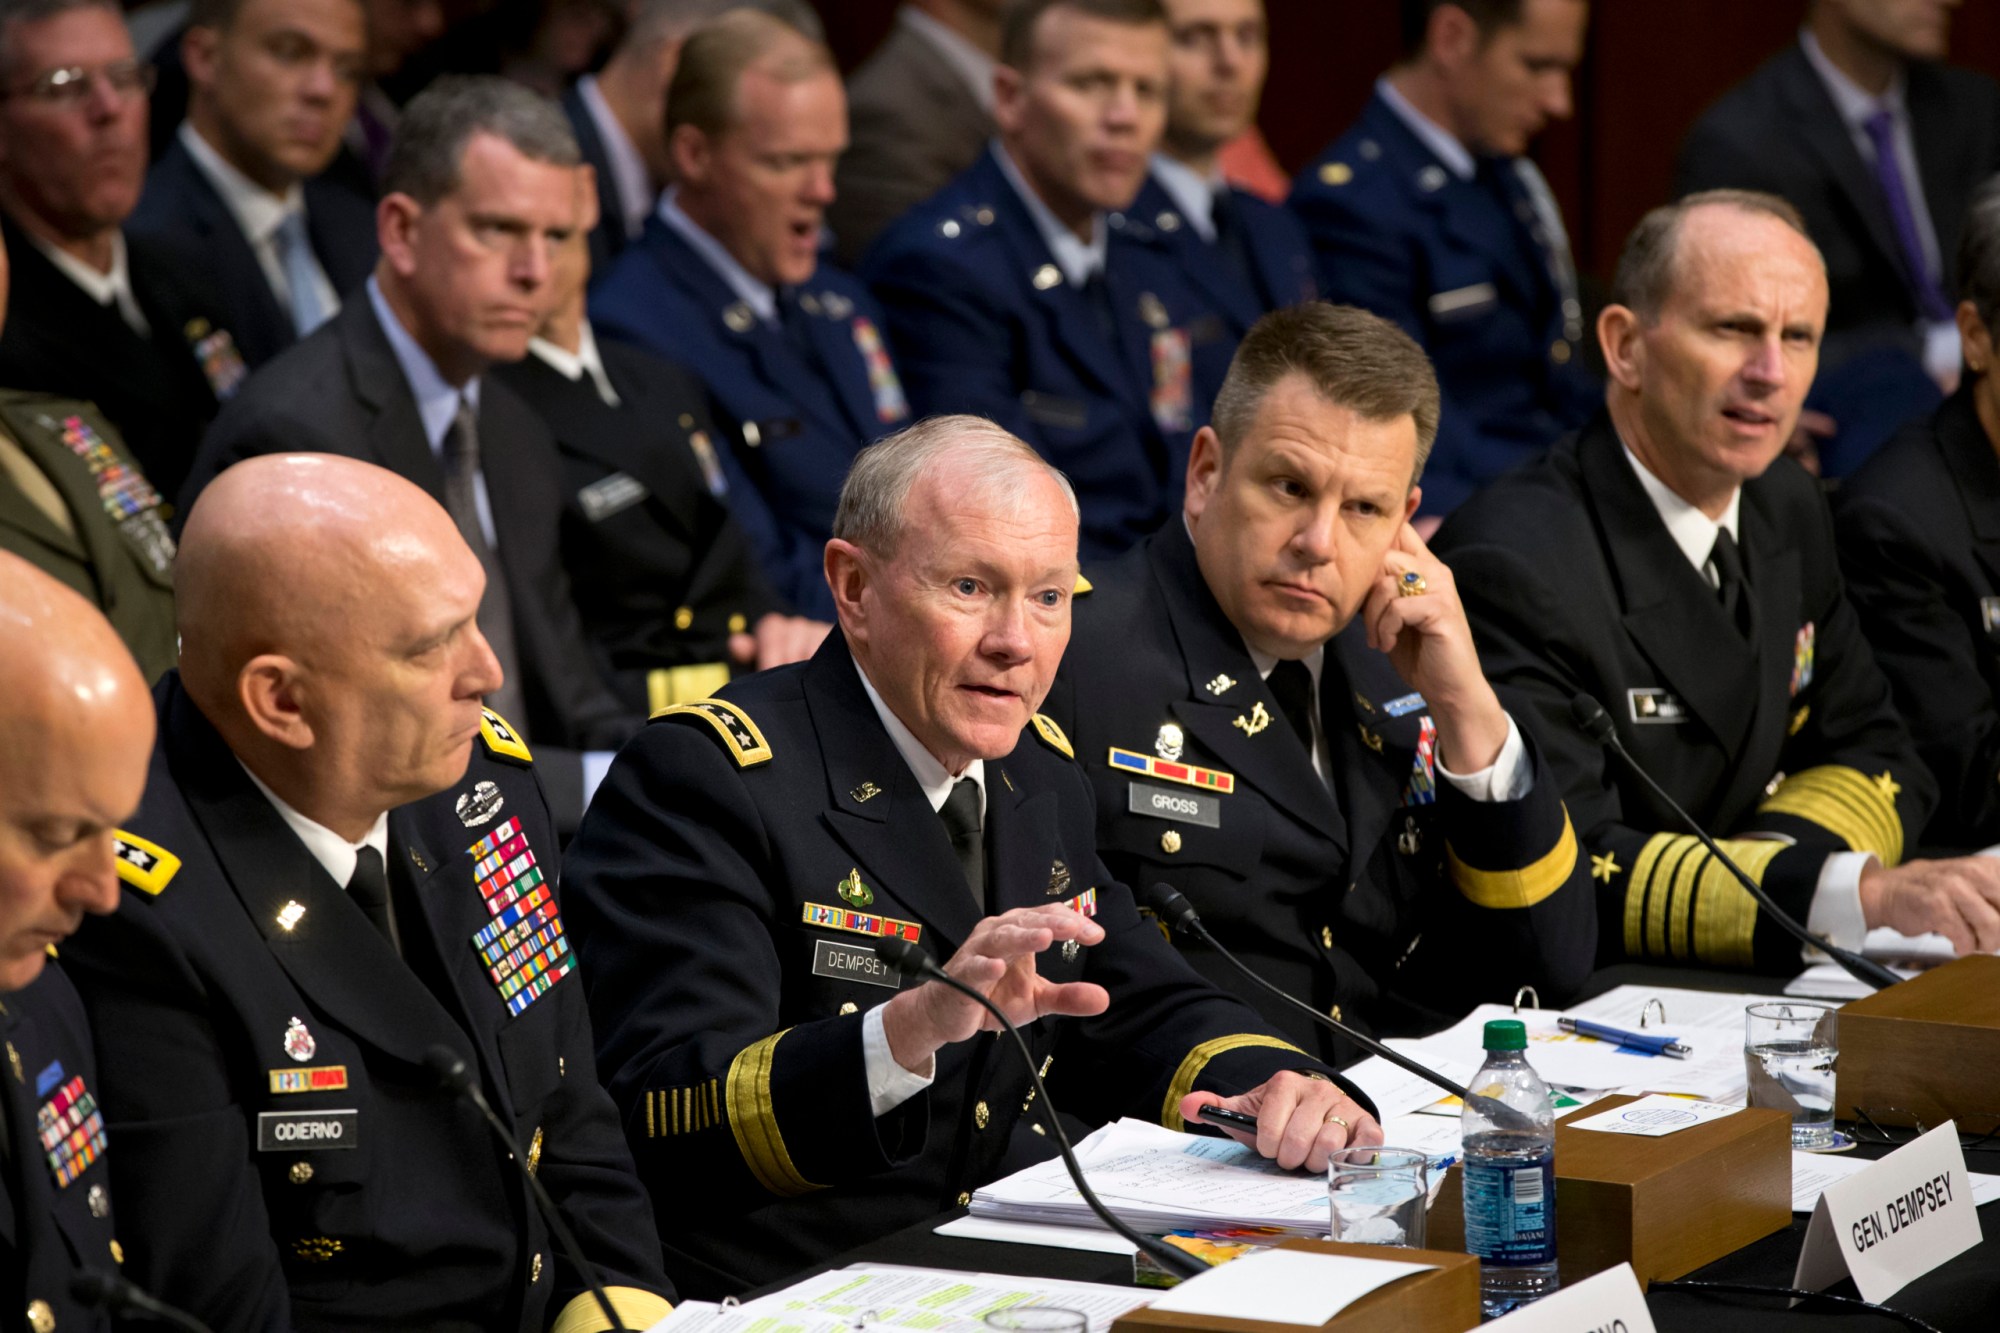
(307, 1131)
(1608, 1302)
(1894, 1222)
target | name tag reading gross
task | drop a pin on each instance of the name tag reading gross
(307, 1131)
(1163, 803)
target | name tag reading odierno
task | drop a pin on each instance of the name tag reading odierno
(1892, 1223)
(852, 962)
(1610, 1302)
(307, 1131)
(1161, 803)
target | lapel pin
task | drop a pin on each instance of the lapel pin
(1047, 276)
(1370, 739)
(1169, 742)
(867, 791)
(1058, 879)
(738, 318)
(289, 914)
(1222, 684)
(1153, 311)
(14, 1060)
(299, 1043)
(1259, 719)
(852, 891)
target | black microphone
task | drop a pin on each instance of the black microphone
(455, 1077)
(93, 1288)
(1594, 722)
(1172, 907)
(910, 960)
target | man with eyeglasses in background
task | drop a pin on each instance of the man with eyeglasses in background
(95, 315)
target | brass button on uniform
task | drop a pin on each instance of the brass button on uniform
(1559, 352)
(1170, 841)
(981, 1115)
(964, 1198)
(738, 623)
(1326, 937)
(1334, 1013)
(683, 617)
(849, 1008)
(117, 1251)
(535, 1151)
(301, 1172)
(41, 1319)
(535, 1269)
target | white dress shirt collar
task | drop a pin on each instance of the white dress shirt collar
(1692, 531)
(437, 400)
(759, 296)
(967, 61)
(573, 366)
(332, 851)
(931, 775)
(634, 184)
(1193, 193)
(1078, 260)
(1441, 141)
(107, 289)
(257, 211)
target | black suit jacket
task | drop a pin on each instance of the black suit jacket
(608, 237)
(182, 212)
(341, 391)
(1346, 895)
(1919, 531)
(663, 575)
(729, 878)
(238, 989)
(53, 1225)
(162, 391)
(1574, 586)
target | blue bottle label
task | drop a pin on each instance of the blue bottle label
(1510, 1209)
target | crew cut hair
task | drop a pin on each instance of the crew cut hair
(1018, 23)
(722, 50)
(1979, 256)
(1647, 266)
(982, 457)
(1352, 358)
(34, 11)
(435, 127)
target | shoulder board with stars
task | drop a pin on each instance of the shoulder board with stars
(1052, 736)
(146, 866)
(502, 741)
(745, 742)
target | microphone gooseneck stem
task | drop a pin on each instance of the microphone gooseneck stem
(97, 1289)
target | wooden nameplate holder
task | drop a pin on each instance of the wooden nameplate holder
(1444, 1299)
(1666, 1205)
(1927, 1048)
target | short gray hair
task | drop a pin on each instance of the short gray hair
(1979, 255)
(656, 21)
(439, 121)
(1647, 265)
(34, 11)
(984, 458)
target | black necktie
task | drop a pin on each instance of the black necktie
(369, 888)
(960, 813)
(1732, 589)
(496, 606)
(1230, 244)
(1291, 683)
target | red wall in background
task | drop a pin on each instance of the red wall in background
(1651, 67)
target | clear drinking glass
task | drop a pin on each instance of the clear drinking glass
(1789, 1052)
(1035, 1319)
(1378, 1196)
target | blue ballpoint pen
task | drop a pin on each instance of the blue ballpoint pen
(1637, 1041)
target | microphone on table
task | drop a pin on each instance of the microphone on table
(94, 1289)
(457, 1078)
(1594, 722)
(910, 960)
(1172, 907)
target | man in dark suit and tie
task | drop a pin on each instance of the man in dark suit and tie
(239, 196)
(73, 740)
(484, 186)
(1880, 146)
(1668, 562)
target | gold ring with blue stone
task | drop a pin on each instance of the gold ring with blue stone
(1411, 584)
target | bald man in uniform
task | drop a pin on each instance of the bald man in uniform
(73, 745)
(343, 868)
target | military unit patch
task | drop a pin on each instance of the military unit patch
(146, 866)
(71, 1130)
(747, 745)
(861, 923)
(1212, 778)
(524, 948)
(1423, 770)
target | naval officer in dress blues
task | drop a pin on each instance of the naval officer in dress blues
(73, 745)
(1024, 293)
(1280, 707)
(1426, 212)
(746, 853)
(727, 280)
(342, 864)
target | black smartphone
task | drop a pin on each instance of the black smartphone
(1215, 1115)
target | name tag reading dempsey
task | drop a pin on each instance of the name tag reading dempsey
(1610, 1302)
(1162, 803)
(307, 1131)
(1892, 1223)
(852, 962)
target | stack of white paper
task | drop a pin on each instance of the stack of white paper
(1906, 956)
(883, 1296)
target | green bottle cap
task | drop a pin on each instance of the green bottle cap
(1506, 1034)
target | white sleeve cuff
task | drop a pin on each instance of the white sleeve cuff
(596, 764)
(1836, 903)
(889, 1084)
(1507, 778)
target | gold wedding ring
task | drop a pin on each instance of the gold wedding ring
(1345, 1128)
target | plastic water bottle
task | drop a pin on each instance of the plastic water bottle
(1510, 1177)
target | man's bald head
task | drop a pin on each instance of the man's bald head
(327, 616)
(75, 738)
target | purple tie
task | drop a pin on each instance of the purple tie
(1881, 129)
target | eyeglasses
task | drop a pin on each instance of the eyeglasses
(1970, 1137)
(71, 85)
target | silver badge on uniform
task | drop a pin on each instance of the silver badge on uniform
(1652, 705)
(1169, 742)
(479, 805)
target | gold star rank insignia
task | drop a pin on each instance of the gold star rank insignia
(1888, 786)
(1604, 867)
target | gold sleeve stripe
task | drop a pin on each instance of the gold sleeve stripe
(1683, 903)
(753, 1119)
(692, 1110)
(1857, 808)
(637, 1308)
(1197, 1060)
(1516, 888)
